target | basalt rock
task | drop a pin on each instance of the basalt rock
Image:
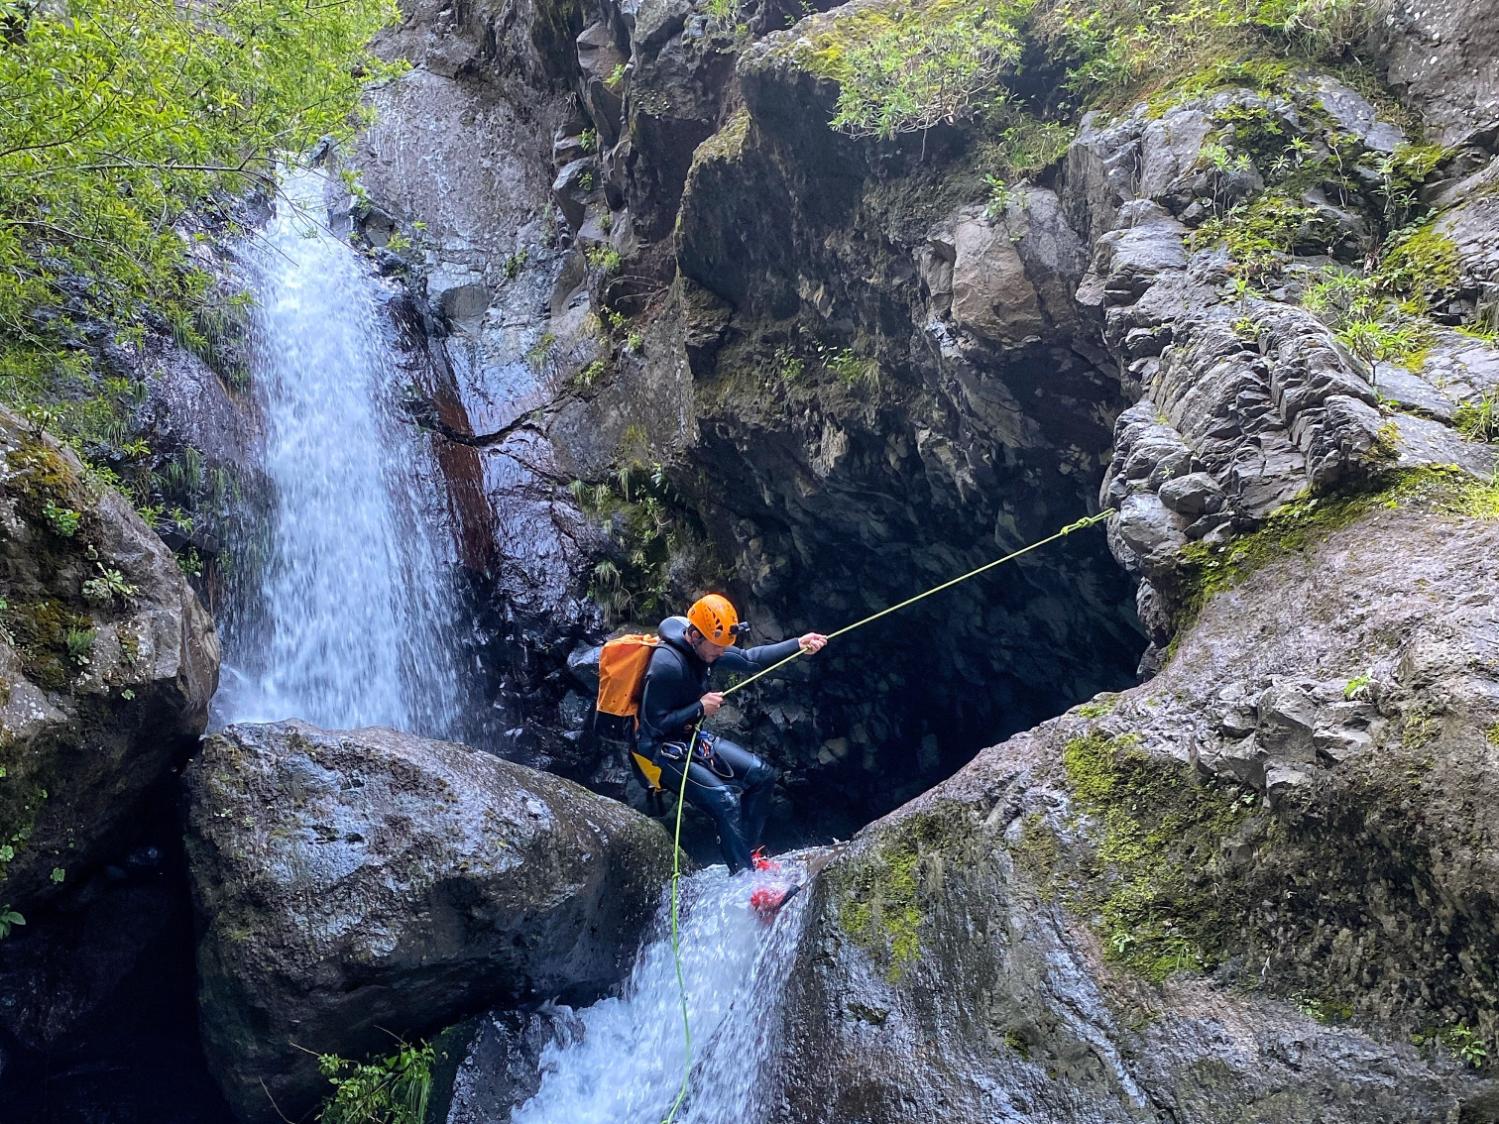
(1234, 893)
(352, 884)
(108, 662)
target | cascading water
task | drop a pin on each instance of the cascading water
(354, 618)
(625, 1066)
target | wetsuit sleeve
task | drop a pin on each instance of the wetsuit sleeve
(756, 659)
(664, 703)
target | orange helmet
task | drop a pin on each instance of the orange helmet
(716, 619)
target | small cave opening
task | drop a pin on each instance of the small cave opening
(899, 705)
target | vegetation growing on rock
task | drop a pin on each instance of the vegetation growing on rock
(121, 118)
(1156, 895)
(907, 68)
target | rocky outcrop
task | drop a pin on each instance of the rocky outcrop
(1248, 402)
(1439, 54)
(108, 662)
(1233, 893)
(356, 883)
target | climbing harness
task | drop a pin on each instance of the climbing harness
(676, 860)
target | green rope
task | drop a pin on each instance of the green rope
(676, 862)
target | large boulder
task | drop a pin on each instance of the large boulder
(107, 663)
(357, 883)
(1257, 888)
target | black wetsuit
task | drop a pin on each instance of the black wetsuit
(725, 780)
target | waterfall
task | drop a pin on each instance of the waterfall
(353, 617)
(625, 1066)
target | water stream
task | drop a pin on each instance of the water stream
(625, 1067)
(354, 619)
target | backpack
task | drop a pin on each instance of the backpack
(622, 666)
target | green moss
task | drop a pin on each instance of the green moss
(1122, 48)
(1039, 852)
(1158, 833)
(1265, 77)
(728, 143)
(1298, 525)
(44, 480)
(880, 910)
(1491, 735)
(1260, 233)
(42, 629)
(879, 898)
(1097, 708)
(1328, 1012)
(1420, 264)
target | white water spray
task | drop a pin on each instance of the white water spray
(626, 1066)
(354, 620)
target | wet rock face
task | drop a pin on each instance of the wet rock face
(1286, 826)
(108, 662)
(1439, 53)
(353, 881)
(1247, 401)
(981, 433)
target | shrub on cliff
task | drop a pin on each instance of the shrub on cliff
(119, 117)
(906, 69)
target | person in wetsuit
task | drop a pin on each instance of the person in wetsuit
(725, 780)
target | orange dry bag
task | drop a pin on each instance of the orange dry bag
(622, 666)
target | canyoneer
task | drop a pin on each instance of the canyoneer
(725, 780)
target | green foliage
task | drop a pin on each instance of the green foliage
(58, 875)
(1018, 144)
(616, 77)
(588, 141)
(9, 919)
(1419, 263)
(1000, 198)
(789, 365)
(1491, 735)
(1123, 47)
(1326, 1011)
(537, 353)
(63, 520)
(603, 258)
(119, 117)
(109, 585)
(1377, 340)
(390, 1090)
(1356, 686)
(904, 69)
(723, 12)
(515, 263)
(80, 642)
(847, 366)
(591, 375)
(1479, 421)
(635, 342)
(1402, 174)
(1462, 1040)
(1259, 233)
(641, 516)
